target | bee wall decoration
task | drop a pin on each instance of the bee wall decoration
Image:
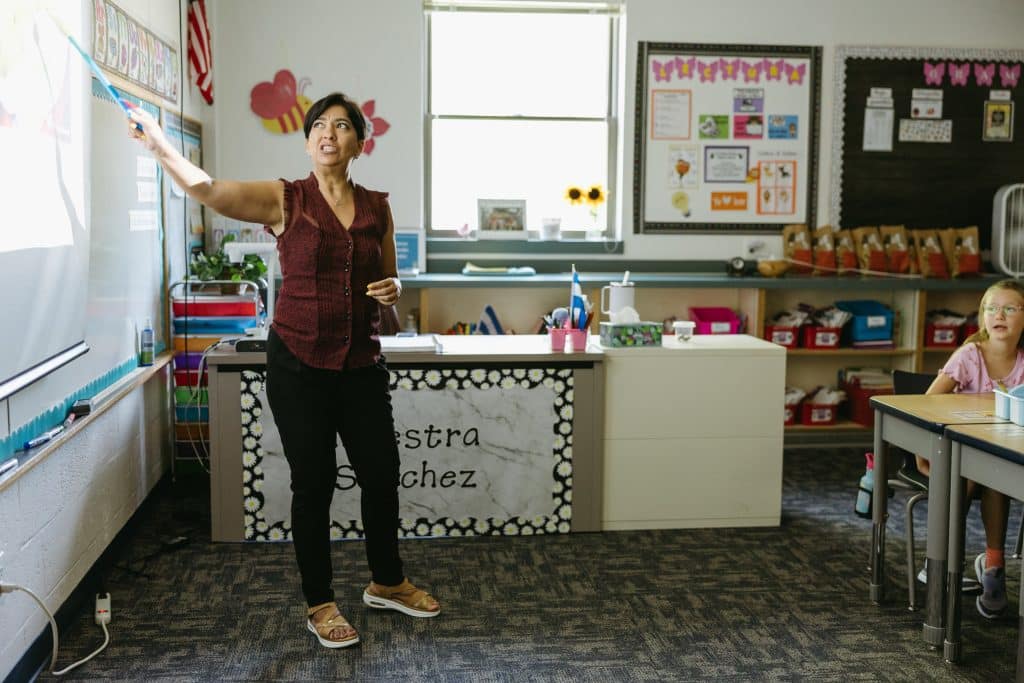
(280, 104)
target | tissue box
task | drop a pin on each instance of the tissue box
(631, 334)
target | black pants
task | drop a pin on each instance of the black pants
(312, 407)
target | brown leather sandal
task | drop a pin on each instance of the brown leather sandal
(332, 624)
(405, 597)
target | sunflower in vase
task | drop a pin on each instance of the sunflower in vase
(594, 196)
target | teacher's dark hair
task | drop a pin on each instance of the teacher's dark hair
(355, 114)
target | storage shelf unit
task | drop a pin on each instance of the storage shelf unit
(444, 298)
(203, 314)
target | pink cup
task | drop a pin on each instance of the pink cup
(578, 339)
(557, 337)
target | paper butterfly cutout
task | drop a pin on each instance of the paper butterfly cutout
(707, 71)
(773, 70)
(795, 74)
(729, 69)
(983, 75)
(1009, 75)
(934, 73)
(958, 74)
(661, 70)
(684, 67)
(751, 72)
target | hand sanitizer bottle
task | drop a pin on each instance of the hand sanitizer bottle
(146, 344)
(866, 488)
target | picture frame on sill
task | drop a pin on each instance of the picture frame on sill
(501, 219)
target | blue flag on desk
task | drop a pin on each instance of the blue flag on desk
(489, 322)
(577, 307)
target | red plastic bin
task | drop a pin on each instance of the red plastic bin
(817, 414)
(783, 335)
(816, 337)
(859, 402)
(790, 414)
(214, 306)
(715, 320)
(189, 378)
(942, 336)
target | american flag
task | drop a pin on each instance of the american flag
(200, 58)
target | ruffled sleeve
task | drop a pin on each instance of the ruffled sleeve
(965, 368)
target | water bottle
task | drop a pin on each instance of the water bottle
(146, 344)
(866, 488)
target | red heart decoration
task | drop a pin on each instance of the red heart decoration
(269, 100)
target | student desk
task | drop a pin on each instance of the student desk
(917, 424)
(992, 455)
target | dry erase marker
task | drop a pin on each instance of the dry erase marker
(44, 437)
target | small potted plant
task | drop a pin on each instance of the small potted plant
(217, 266)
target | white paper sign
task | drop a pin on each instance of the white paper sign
(145, 167)
(142, 220)
(670, 114)
(878, 125)
(484, 444)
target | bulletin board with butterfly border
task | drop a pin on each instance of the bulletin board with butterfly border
(726, 137)
(924, 137)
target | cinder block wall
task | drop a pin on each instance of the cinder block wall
(57, 518)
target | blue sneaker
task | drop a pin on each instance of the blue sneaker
(992, 601)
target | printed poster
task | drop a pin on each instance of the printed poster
(748, 127)
(726, 164)
(878, 125)
(713, 126)
(776, 187)
(670, 115)
(782, 127)
(921, 130)
(684, 168)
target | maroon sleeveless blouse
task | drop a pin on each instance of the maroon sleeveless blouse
(323, 314)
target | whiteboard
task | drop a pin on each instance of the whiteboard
(122, 283)
(726, 137)
(44, 235)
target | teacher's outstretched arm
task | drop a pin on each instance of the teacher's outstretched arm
(249, 201)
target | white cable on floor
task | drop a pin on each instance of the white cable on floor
(9, 587)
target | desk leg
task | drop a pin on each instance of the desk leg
(938, 542)
(879, 514)
(957, 492)
(1020, 632)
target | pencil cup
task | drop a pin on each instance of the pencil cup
(557, 336)
(578, 340)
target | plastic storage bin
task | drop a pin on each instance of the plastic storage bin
(205, 305)
(859, 401)
(790, 413)
(941, 336)
(817, 414)
(872, 320)
(817, 337)
(715, 320)
(783, 335)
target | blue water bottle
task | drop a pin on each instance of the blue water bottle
(866, 488)
(146, 344)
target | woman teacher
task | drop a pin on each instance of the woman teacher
(325, 375)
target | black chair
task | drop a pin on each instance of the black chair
(908, 478)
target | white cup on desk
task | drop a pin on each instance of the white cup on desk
(550, 228)
(620, 295)
(683, 329)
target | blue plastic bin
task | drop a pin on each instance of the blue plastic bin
(872, 320)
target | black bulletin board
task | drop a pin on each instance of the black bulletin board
(925, 184)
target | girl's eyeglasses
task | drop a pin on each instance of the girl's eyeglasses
(1007, 310)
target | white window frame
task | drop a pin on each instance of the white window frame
(611, 118)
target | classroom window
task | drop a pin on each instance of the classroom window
(521, 104)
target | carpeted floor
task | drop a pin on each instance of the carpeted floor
(786, 603)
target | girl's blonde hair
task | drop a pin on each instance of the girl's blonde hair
(982, 333)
